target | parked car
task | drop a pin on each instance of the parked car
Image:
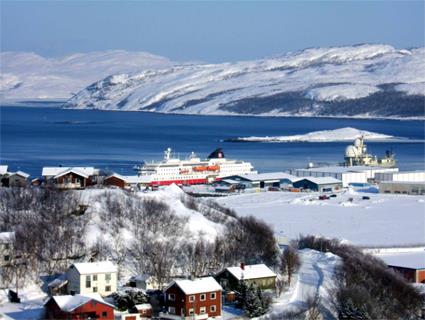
(323, 197)
(332, 196)
(365, 198)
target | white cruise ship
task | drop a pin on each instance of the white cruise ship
(192, 170)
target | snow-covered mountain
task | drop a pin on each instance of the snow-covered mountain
(29, 76)
(354, 81)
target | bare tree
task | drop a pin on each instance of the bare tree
(289, 262)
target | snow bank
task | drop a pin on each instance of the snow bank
(341, 134)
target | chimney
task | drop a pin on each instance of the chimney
(242, 266)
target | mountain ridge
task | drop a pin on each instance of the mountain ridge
(354, 81)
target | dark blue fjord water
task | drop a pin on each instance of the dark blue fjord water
(35, 137)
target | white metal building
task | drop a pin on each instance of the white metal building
(402, 187)
(354, 174)
(407, 176)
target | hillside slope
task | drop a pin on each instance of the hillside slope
(354, 81)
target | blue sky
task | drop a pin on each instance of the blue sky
(206, 31)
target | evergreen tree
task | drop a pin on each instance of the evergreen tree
(253, 306)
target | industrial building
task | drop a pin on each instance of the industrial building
(320, 184)
(262, 180)
(408, 176)
(348, 175)
(402, 187)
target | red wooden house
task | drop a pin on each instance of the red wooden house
(193, 299)
(78, 307)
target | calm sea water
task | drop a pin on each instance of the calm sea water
(35, 137)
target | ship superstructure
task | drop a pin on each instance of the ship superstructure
(192, 170)
(356, 155)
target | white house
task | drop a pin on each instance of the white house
(89, 277)
(7, 240)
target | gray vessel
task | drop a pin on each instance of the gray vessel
(356, 155)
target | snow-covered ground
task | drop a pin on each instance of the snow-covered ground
(341, 134)
(30, 308)
(384, 220)
(314, 278)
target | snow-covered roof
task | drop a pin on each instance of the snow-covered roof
(3, 169)
(411, 260)
(69, 303)
(143, 306)
(20, 173)
(7, 237)
(269, 176)
(322, 180)
(54, 171)
(403, 182)
(129, 179)
(253, 271)
(95, 267)
(201, 285)
(342, 169)
(231, 181)
(71, 170)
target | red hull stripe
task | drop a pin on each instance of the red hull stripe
(168, 182)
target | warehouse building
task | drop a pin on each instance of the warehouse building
(263, 180)
(348, 175)
(411, 265)
(402, 187)
(407, 176)
(320, 184)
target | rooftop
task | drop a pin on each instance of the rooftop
(269, 176)
(69, 303)
(403, 182)
(254, 271)
(95, 267)
(201, 285)
(321, 180)
(3, 169)
(129, 179)
(342, 169)
(54, 171)
(411, 260)
(7, 237)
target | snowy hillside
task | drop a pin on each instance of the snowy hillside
(26, 75)
(342, 134)
(355, 81)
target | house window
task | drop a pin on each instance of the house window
(6, 258)
(213, 308)
(171, 297)
(108, 277)
(191, 298)
(191, 312)
(203, 310)
(95, 277)
(88, 282)
(213, 295)
(171, 310)
(94, 289)
(107, 288)
(203, 297)
(104, 314)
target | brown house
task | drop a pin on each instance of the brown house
(70, 178)
(124, 182)
(14, 179)
(258, 274)
(87, 306)
(193, 299)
